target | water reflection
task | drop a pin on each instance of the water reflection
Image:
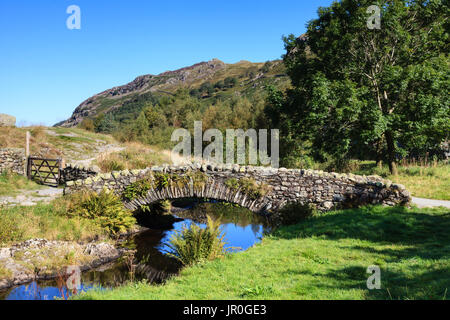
(243, 229)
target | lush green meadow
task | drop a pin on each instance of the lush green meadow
(323, 257)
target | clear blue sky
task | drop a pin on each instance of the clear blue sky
(47, 70)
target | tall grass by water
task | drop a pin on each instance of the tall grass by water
(81, 216)
(46, 221)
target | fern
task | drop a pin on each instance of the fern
(105, 208)
(192, 245)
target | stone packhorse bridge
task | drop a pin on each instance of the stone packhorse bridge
(262, 190)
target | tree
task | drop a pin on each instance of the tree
(360, 91)
(219, 85)
(195, 93)
(266, 67)
(230, 82)
(154, 117)
(141, 126)
(207, 88)
(87, 124)
(105, 123)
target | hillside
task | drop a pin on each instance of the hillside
(82, 148)
(244, 79)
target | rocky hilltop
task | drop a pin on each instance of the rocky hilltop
(166, 81)
(7, 121)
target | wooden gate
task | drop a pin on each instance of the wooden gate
(44, 171)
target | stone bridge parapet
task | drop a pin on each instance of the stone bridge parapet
(260, 189)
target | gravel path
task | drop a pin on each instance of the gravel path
(426, 203)
(32, 197)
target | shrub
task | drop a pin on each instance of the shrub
(111, 163)
(87, 124)
(105, 208)
(294, 213)
(160, 181)
(198, 178)
(219, 85)
(230, 82)
(194, 244)
(163, 207)
(249, 186)
(9, 228)
(266, 67)
(138, 188)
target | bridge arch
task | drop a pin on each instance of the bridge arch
(212, 190)
(260, 189)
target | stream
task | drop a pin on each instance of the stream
(242, 230)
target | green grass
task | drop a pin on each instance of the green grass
(135, 156)
(324, 257)
(83, 135)
(62, 142)
(423, 181)
(79, 141)
(12, 184)
(5, 273)
(44, 221)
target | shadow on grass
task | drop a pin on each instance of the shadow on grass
(395, 284)
(396, 225)
(413, 246)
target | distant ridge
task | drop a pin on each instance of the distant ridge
(168, 82)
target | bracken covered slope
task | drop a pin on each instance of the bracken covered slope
(250, 77)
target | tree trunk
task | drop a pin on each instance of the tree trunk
(379, 153)
(391, 152)
(380, 164)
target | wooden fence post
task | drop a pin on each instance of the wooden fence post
(60, 171)
(27, 153)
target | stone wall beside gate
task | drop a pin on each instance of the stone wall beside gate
(13, 159)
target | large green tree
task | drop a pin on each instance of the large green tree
(368, 92)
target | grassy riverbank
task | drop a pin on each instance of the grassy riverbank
(47, 221)
(324, 257)
(430, 180)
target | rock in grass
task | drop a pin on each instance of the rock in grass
(7, 121)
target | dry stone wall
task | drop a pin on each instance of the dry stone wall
(321, 189)
(74, 172)
(12, 159)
